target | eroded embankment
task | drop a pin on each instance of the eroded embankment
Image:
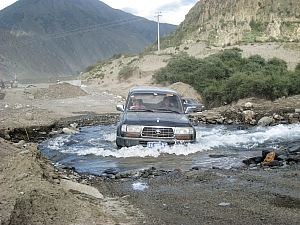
(33, 191)
(37, 133)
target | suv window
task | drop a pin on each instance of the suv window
(154, 102)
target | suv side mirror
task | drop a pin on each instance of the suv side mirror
(120, 108)
(188, 110)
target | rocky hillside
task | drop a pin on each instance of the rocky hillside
(61, 37)
(228, 22)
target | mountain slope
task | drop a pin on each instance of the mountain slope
(61, 37)
(227, 22)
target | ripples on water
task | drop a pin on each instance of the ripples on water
(93, 149)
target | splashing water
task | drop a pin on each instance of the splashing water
(94, 147)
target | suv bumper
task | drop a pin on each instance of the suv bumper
(128, 142)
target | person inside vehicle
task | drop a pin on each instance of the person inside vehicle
(137, 104)
(168, 102)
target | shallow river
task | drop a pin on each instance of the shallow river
(93, 149)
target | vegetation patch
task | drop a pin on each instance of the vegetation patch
(257, 26)
(90, 68)
(226, 76)
(126, 72)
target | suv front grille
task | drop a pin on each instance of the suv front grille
(158, 132)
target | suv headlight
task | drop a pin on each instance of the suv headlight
(184, 133)
(131, 130)
(184, 130)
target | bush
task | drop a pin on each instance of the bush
(227, 77)
(126, 72)
(90, 68)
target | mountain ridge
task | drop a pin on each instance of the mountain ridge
(62, 37)
(229, 22)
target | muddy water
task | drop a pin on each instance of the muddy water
(93, 149)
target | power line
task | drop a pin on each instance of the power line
(93, 27)
(85, 29)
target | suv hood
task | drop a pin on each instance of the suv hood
(156, 119)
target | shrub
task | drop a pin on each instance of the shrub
(227, 77)
(90, 68)
(126, 72)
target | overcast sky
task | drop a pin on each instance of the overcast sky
(172, 11)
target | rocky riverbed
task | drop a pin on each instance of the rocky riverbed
(33, 191)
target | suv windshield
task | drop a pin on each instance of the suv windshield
(154, 102)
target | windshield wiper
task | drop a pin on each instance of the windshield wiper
(167, 110)
(141, 110)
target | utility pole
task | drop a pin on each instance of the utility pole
(158, 41)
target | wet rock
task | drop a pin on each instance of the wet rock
(175, 174)
(152, 172)
(110, 176)
(211, 121)
(69, 131)
(293, 158)
(265, 121)
(74, 125)
(229, 121)
(293, 118)
(253, 160)
(128, 174)
(294, 149)
(275, 163)
(196, 168)
(278, 117)
(253, 122)
(113, 171)
(220, 120)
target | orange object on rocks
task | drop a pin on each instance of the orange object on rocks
(269, 158)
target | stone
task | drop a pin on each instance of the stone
(265, 121)
(275, 163)
(293, 118)
(277, 117)
(248, 116)
(74, 125)
(248, 105)
(220, 120)
(293, 158)
(253, 160)
(229, 121)
(113, 171)
(224, 204)
(264, 153)
(253, 122)
(69, 131)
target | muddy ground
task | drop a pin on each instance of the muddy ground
(34, 192)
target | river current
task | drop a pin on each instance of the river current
(93, 149)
